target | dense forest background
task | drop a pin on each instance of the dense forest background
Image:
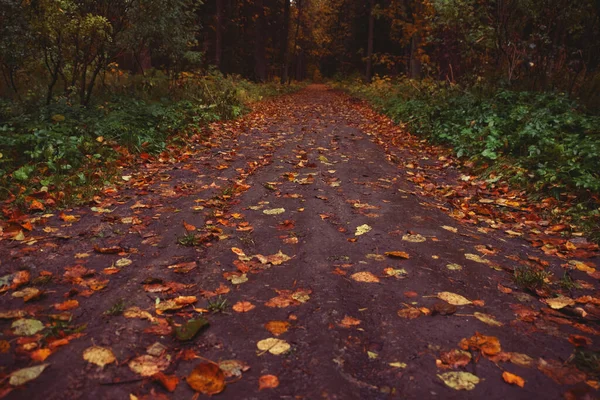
(69, 46)
(511, 84)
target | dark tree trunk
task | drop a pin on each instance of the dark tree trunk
(369, 72)
(284, 45)
(260, 56)
(219, 34)
(296, 54)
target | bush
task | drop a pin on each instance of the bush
(545, 135)
(65, 145)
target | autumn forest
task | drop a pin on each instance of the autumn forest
(335, 199)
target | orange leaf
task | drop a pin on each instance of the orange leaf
(243, 306)
(207, 378)
(513, 379)
(277, 327)
(397, 254)
(268, 382)
(348, 322)
(40, 354)
(67, 305)
(169, 382)
(188, 227)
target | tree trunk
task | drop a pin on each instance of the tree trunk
(284, 45)
(415, 45)
(369, 72)
(260, 57)
(219, 34)
(296, 55)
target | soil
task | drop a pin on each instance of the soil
(321, 165)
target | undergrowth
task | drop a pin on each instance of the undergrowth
(71, 150)
(544, 142)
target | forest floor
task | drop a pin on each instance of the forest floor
(333, 255)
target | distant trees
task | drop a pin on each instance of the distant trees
(533, 44)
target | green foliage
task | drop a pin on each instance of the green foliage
(543, 141)
(68, 147)
(530, 278)
(549, 139)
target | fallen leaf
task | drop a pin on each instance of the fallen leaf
(188, 227)
(207, 378)
(147, 365)
(453, 298)
(268, 382)
(274, 211)
(414, 238)
(99, 356)
(397, 254)
(513, 379)
(364, 276)
(277, 327)
(28, 294)
(476, 258)
(454, 359)
(169, 382)
(459, 380)
(409, 313)
(488, 345)
(25, 375)
(243, 306)
(454, 267)
(233, 368)
(560, 302)
(487, 319)
(67, 305)
(39, 355)
(561, 373)
(274, 346)
(362, 229)
(397, 364)
(27, 327)
(349, 322)
(190, 328)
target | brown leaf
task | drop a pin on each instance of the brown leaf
(207, 378)
(268, 382)
(488, 345)
(169, 382)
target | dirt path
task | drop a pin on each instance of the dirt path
(290, 188)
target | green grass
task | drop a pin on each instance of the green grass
(529, 278)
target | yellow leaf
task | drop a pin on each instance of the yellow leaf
(361, 230)
(274, 211)
(99, 356)
(25, 375)
(459, 380)
(560, 302)
(453, 298)
(148, 365)
(414, 238)
(487, 319)
(274, 346)
(365, 276)
(476, 258)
